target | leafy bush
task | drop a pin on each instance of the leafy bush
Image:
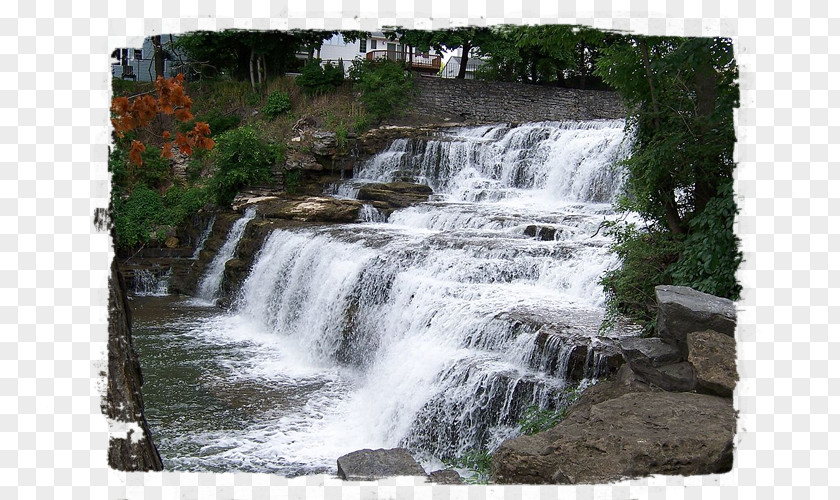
(183, 202)
(138, 215)
(710, 255)
(218, 122)
(277, 104)
(315, 79)
(646, 256)
(384, 86)
(243, 157)
(135, 217)
(155, 171)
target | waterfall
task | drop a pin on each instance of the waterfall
(203, 238)
(546, 160)
(439, 316)
(436, 329)
(208, 288)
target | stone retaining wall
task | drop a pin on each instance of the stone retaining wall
(491, 102)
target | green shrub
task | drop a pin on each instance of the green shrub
(361, 124)
(252, 98)
(183, 202)
(218, 122)
(384, 86)
(710, 255)
(316, 79)
(136, 216)
(155, 171)
(243, 157)
(277, 104)
(646, 256)
(292, 180)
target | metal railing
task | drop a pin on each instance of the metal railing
(418, 61)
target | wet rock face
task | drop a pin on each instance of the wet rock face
(369, 465)
(395, 194)
(544, 233)
(636, 434)
(124, 401)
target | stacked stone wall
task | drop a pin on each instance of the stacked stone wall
(478, 101)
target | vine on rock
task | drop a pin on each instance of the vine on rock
(132, 113)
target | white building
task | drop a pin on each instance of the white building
(377, 46)
(139, 64)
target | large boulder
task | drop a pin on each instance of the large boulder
(369, 465)
(633, 435)
(658, 363)
(712, 355)
(683, 310)
(395, 194)
(310, 209)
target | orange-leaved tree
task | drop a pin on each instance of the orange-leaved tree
(132, 113)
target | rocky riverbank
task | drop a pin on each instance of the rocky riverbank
(668, 410)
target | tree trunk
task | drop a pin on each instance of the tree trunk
(462, 71)
(706, 82)
(646, 61)
(259, 72)
(251, 70)
(672, 215)
(158, 56)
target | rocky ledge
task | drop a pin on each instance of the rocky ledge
(668, 410)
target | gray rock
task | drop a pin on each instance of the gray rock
(634, 435)
(395, 194)
(649, 352)
(369, 465)
(683, 310)
(676, 377)
(544, 233)
(324, 142)
(713, 356)
(445, 476)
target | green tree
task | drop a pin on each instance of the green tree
(241, 54)
(681, 93)
(243, 157)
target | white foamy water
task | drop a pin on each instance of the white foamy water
(428, 330)
(208, 288)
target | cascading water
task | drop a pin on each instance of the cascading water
(208, 288)
(435, 330)
(199, 246)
